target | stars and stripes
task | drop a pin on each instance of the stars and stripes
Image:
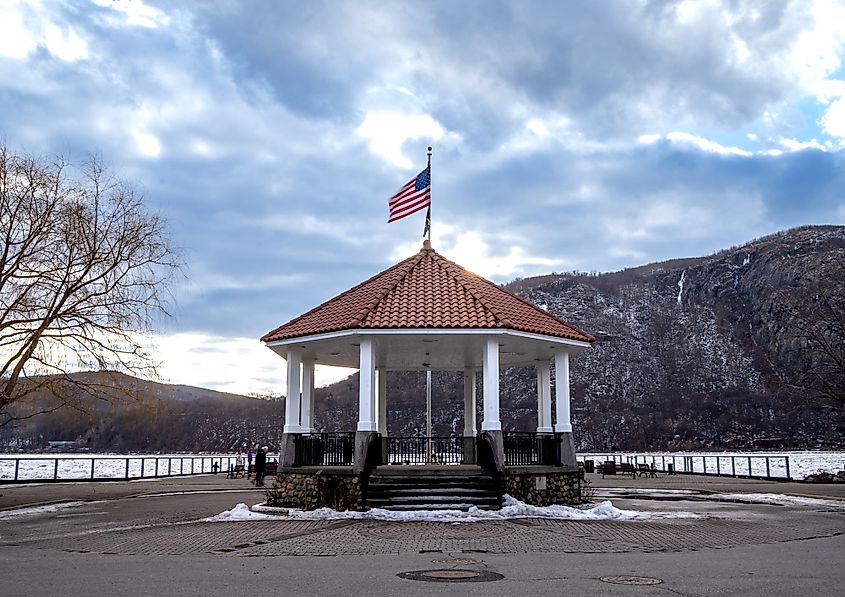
(412, 197)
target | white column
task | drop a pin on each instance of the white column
(469, 402)
(562, 420)
(544, 398)
(293, 400)
(490, 361)
(308, 397)
(381, 398)
(367, 387)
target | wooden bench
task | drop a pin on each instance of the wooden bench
(626, 468)
(645, 470)
(236, 471)
(608, 467)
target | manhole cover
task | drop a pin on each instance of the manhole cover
(451, 575)
(630, 580)
(458, 561)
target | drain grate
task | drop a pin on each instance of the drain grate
(451, 575)
(631, 580)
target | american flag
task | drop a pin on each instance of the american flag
(414, 196)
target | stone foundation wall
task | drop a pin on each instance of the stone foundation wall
(543, 488)
(309, 490)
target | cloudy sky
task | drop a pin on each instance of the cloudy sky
(590, 135)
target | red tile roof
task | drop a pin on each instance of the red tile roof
(426, 291)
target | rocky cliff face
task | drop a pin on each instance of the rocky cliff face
(709, 352)
(742, 349)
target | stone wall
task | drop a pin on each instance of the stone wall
(309, 489)
(543, 488)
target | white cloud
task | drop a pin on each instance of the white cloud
(678, 213)
(26, 26)
(468, 249)
(65, 43)
(795, 145)
(817, 51)
(706, 144)
(16, 39)
(833, 121)
(237, 365)
(136, 13)
(649, 139)
(386, 132)
(148, 144)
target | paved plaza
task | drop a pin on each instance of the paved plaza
(141, 538)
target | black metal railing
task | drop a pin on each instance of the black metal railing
(751, 466)
(324, 449)
(525, 448)
(425, 450)
(108, 468)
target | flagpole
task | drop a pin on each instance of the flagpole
(427, 229)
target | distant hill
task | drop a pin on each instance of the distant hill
(707, 352)
(130, 414)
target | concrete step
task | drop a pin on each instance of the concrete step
(434, 507)
(440, 488)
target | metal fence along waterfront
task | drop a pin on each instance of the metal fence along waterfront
(768, 466)
(104, 468)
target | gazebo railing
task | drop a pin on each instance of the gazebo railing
(337, 449)
(425, 450)
(526, 448)
(324, 449)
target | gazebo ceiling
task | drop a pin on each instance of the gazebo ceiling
(426, 311)
(409, 350)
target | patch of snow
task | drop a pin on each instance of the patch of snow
(781, 500)
(681, 285)
(747, 260)
(626, 490)
(512, 508)
(239, 513)
(36, 510)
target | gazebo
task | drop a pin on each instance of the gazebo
(427, 313)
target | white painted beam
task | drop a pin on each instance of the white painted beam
(544, 398)
(490, 362)
(307, 422)
(470, 425)
(381, 398)
(293, 399)
(563, 423)
(367, 386)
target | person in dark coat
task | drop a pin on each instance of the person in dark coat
(260, 466)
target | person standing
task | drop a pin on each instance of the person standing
(248, 463)
(239, 463)
(260, 466)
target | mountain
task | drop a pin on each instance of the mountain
(121, 413)
(743, 349)
(726, 351)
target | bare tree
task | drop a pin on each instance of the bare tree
(85, 272)
(817, 325)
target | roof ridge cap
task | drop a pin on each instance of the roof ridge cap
(265, 337)
(363, 313)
